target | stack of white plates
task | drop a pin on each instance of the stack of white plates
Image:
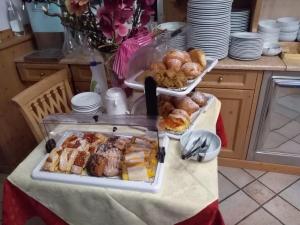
(177, 42)
(246, 46)
(270, 30)
(86, 102)
(209, 26)
(289, 27)
(239, 20)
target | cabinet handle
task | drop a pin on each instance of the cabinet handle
(42, 74)
(220, 79)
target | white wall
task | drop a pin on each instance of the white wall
(4, 25)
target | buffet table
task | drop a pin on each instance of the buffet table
(188, 187)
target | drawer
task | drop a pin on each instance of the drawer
(30, 72)
(233, 79)
(81, 73)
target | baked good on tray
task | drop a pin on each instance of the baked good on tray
(176, 68)
(175, 112)
(129, 158)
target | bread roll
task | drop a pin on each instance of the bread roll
(173, 64)
(157, 66)
(199, 98)
(177, 54)
(198, 56)
(187, 104)
(191, 70)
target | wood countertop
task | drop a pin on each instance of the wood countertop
(265, 63)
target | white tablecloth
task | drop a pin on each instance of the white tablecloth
(187, 188)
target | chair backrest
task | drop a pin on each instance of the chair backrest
(48, 96)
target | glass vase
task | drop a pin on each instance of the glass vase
(70, 46)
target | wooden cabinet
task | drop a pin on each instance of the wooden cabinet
(233, 79)
(33, 72)
(238, 91)
(235, 111)
(82, 77)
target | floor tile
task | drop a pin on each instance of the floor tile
(238, 176)
(278, 121)
(277, 181)
(274, 140)
(292, 194)
(260, 217)
(297, 139)
(283, 211)
(290, 130)
(238, 203)
(255, 173)
(258, 192)
(226, 188)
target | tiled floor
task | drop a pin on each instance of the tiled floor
(250, 197)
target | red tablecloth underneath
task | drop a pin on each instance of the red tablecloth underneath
(19, 207)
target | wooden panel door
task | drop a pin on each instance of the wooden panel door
(235, 111)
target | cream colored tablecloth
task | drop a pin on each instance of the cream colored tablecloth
(187, 188)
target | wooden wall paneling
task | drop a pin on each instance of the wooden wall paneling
(174, 10)
(272, 9)
(16, 140)
(258, 166)
(255, 14)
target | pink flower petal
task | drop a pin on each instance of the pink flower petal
(122, 30)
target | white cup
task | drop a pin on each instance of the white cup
(116, 102)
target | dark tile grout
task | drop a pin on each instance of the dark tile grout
(260, 205)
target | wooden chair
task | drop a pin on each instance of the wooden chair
(48, 96)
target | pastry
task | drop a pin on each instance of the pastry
(170, 79)
(165, 107)
(177, 54)
(187, 104)
(191, 70)
(198, 56)
(80, 162)
(173, 64)
(177, 122)
(113, 156)
(157, 66)
(96, 165)
(199, 98)
(67, 159)
(52, 160)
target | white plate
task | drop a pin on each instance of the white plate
(139, 108)
(131, 81)
(86, 99)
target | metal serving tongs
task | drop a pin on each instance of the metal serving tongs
(201, 145)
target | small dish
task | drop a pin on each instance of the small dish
(268, 26)
(271, 49)
(288, 36)
(213, 142)
(288, 21)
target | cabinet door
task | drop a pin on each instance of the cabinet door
(235, 111)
